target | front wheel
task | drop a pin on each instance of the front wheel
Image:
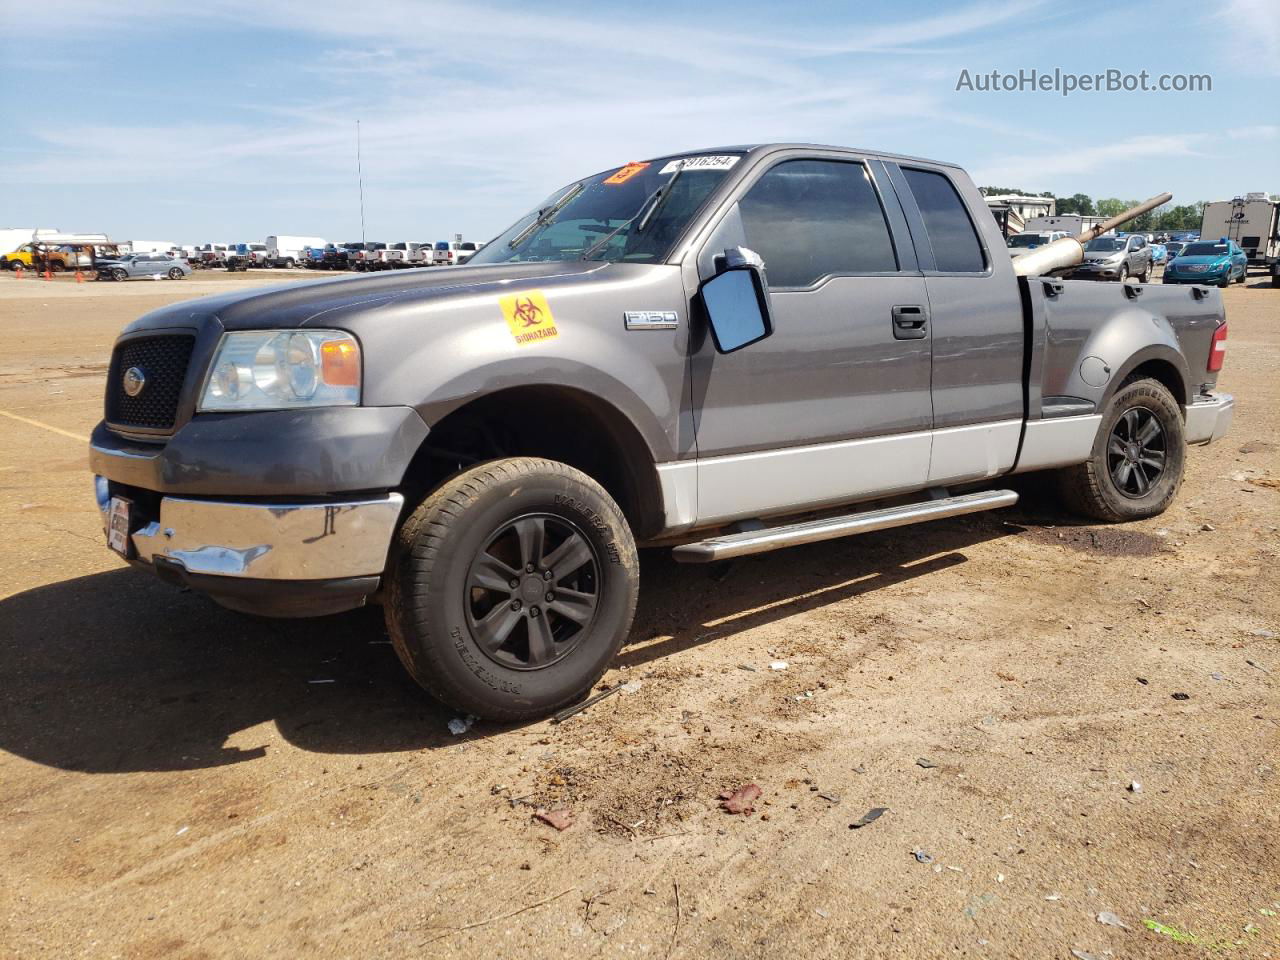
(175, 273)
(511, 588)
(1135, 467)
(1124, 272)
(119, 274)
(1146, 274)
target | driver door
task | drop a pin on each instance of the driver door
(835, 404)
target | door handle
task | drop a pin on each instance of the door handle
(910, 321)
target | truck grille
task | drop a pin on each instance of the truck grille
(163, 361)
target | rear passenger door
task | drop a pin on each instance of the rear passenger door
(976, 316)
(835, 404)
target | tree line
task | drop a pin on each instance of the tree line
(1162, 219)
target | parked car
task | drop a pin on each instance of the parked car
(1218, 263)
(289, 252)
(453, 252)
(365, 256)
(1116, 258)
(482, 449)
(1021, 243)
(242, 256)
(1158, 252)
(1171, 249)
(132, 266)
(313, 257)
(20, 258)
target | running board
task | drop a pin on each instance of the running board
(829, 528)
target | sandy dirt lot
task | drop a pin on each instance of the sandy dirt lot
(180, 781)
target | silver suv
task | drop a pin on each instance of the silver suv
(1116, 258)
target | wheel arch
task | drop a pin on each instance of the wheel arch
(1162, 364)
(531, 420)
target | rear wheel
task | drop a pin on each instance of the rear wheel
(1135, 467)
(511, 588)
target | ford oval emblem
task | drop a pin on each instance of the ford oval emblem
(135, 380)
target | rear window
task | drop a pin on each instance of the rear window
(442, 245)
(951, 233)
(467, 246)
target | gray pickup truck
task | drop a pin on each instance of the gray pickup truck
(719, 353)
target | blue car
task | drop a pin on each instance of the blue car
(1210, 262)
(1158, 253)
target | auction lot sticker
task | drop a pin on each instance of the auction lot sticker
(529, 317)
(626, 173)
(706, 162)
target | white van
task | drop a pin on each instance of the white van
(283, 251)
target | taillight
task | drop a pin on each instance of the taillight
(1218, 348)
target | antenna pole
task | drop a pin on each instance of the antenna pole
(360, 180)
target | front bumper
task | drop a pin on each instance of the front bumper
(1089, 270)
(1209, 417)
(276, 559)
(1208, 277)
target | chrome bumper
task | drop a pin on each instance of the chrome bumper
(1208, 419)
(277, 541)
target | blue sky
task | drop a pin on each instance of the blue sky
(232, 120)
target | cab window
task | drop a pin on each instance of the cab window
(811, 219)
(956, 248)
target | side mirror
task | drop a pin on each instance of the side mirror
(736, 302)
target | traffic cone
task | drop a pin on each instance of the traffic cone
(48, 274)
(79, 276)
(20, 273)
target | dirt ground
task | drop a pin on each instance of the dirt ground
(1062, 719)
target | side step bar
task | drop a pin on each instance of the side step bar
(829, 528)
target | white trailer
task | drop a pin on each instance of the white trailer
(1253, 221)
(11, 238)
(283, 251)
(148, 246)
(1072, 224)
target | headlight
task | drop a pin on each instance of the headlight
(281, 369)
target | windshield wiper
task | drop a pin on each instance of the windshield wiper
(651, 205)
(545, 215)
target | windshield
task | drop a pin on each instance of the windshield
(1204, 250)
(593, 208)
(1105, 244)
(1027, 240)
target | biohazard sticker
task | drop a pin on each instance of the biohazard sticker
(626, 173)
(529, 317)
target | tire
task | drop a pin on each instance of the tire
(1244, 276)
(175, 273)
(1101, 487)
(119, 274)
(290, 263)
(1146, 274)
(452, 565)
(1124, 273)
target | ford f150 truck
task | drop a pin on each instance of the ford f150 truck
(721, 353)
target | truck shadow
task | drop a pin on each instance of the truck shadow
(117, 672)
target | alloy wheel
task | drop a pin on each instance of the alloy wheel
(1136, 452)
(532, 592)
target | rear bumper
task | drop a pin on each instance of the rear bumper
(1209, 418)
(276, 559)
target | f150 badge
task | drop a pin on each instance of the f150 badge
(651, 319)
(529, 317)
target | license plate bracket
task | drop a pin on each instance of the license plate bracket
(119, 515)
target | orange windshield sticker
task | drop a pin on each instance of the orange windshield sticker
(529, 317)
(626, 173)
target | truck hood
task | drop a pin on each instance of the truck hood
(338, 302)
